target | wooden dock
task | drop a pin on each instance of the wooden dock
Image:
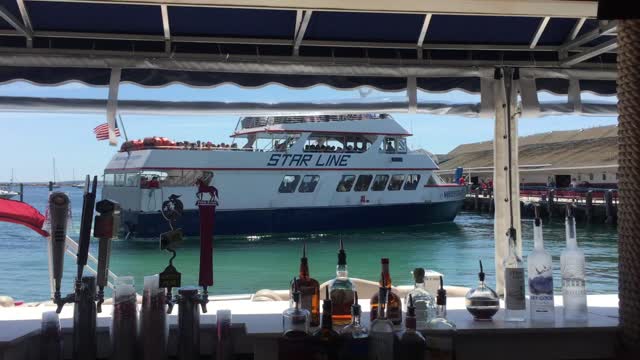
(594, 206)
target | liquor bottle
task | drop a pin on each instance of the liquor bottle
(440, 320)
(327, 338)
(425, 307)
(539, 266)
(514, 295)
(572, 264)
(482, 302)
(412, 344)
(381, 336)
(394, 305)
(341, 291)
(295, 320)
(309, 289)
(439, 347)
(355, 329)
(355, 336)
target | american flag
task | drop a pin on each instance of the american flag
(102, 131)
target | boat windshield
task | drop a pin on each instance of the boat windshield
(252, 122)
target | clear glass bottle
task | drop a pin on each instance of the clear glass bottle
(540, 270)
(341, 291)
(572, 264)
(412, 344)
(295, 321)
(440, 320)
(394, 304)
(355, 336)
(514, 294)
(355, 329)
(381, 337)
(482, 302)
(425, 306)
(309, 289)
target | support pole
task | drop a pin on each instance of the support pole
(629, 187)
(506, 181)
(112, 104)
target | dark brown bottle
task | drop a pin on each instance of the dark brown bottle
(326, 339)
(309, 290)
(394, 304)
(412, 344)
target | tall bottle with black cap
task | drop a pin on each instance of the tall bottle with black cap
(394, 305)
(539, 265)
(514, 294)
(341, 291)
(572, 264)
(412, 344)
(309, 289)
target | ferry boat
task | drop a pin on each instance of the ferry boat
(291, 174)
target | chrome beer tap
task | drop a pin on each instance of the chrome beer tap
(59, 206)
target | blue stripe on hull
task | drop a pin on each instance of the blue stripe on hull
(147, 225)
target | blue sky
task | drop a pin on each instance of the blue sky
(30, 140)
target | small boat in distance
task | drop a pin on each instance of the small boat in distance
(292, 174)
(6, 192)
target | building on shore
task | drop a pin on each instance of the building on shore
(587, 156)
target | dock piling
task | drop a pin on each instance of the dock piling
(476, 201)
(589, 206)
(610, 211)
(550, 201)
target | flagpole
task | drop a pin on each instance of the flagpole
(124, 131)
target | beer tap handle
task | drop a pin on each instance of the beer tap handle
(204, 299)
(170, 301)
(106, 227)
(86, 218)
(58, 218)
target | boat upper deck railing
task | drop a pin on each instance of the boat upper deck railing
(252, 122)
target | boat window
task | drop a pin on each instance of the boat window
(412, 181)
(604, 176)
(432, 180)
(119, 179)
(363, 183)
(109, 179)
(380, 182)
(401, 147)
(346, 183)
(150, 179)
(289, 183)
(309, 183)
(590, 176)
(396, 182)
(389, 145)
(133, 179)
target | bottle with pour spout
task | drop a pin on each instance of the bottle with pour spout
(540, 267)
(572, 265)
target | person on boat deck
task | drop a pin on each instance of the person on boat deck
(144, 182)
(390, 147)
(574, 183)
(154, 183)
(462, 180)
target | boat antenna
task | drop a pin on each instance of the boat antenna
(124, 131)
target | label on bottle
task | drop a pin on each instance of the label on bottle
(306, 297)
(514, 288)
(541, 294)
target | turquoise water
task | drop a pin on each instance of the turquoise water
(247, 264)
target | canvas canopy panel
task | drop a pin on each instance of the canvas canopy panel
(301, 44)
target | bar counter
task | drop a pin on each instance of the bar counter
(258, 324)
